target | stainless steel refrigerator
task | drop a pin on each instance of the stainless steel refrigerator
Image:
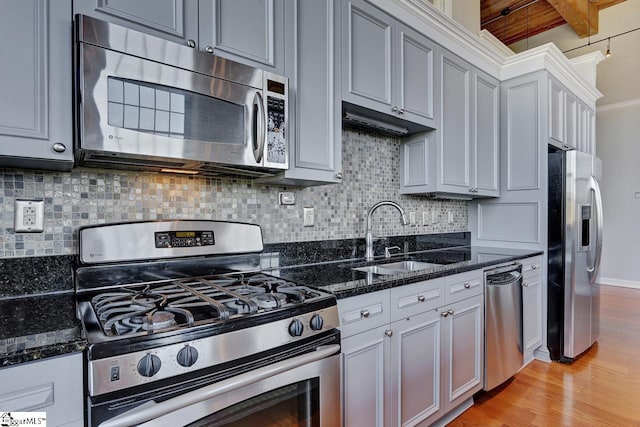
(575, 244)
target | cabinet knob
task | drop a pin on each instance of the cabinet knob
(444, 314)
(421, 298)
(467, 285)
(534, 267)
(191, 43)
(450, 312)
(59, 147)
(208, 49)
(525, 284)
(394, 109)
(388, 332)
(364, 313)
(339, 176)
(401, 111)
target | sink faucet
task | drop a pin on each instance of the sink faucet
(368, 256)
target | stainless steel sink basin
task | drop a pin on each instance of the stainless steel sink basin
(397, 267)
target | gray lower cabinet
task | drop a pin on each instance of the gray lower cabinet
(35, 89)
(387, 66)
(531, 306)
(247, 31)
(52, 385)
(313, 67)
(461, 157)
(414, 354)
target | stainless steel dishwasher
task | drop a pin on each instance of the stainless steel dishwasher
(503, 354)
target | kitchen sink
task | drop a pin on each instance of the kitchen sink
(397, 267)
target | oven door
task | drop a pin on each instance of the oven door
(133, 108)
(300, 391)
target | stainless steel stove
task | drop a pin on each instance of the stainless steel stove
(175, 308)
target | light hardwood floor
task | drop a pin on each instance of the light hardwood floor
(602, 388)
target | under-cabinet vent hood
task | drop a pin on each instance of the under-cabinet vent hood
(363, 118)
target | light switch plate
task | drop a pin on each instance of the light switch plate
(29, 216)
(308, 219)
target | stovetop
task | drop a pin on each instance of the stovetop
(171, 304)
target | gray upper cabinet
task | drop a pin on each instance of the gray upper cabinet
(248, 31)
(563, 117)
(387, 66)
(175, 20)
(313, 68)
(485, 146)
(461, 157)
(35, 89)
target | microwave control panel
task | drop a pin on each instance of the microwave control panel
(276, 126)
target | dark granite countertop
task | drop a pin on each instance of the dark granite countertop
(339, 277)
(34, 327)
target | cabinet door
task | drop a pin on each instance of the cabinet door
(486, 136)
(52, 385)
(415, 59)
(416, 365)
(417, 165)
(367, 62)
(365, 379)
(175, 20)
(463, 350)
(35, 89)
(248, 31)
(531, 314)
(455, 125)
(571, 121)
(556, 114)
(312, 51)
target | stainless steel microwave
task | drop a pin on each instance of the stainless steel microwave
(146, 103)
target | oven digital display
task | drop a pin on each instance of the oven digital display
(184, 239)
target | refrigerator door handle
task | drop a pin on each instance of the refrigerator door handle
(593, 270)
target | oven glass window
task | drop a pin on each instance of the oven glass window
(172, 112)
(296, 405)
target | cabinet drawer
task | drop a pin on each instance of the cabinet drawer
(532, 266)
(363, 312)
(462, 286)
(416, 298)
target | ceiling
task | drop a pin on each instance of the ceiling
(515, 20)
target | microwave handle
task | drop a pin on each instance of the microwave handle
(259, 126)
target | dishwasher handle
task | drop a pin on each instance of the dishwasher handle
(504, 279)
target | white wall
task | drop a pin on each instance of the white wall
(618, 132)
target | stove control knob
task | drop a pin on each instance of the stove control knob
(149, 365)
(295, 328)
(316, 322)
(187, 356)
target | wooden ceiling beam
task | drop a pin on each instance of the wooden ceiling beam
(581, 15)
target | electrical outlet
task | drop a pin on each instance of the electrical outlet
(29, 216)
(450, 217)
(412, 219)
(434, 217)
(308, 218)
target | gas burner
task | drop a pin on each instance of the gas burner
(238, 306)
(158, 320)
(148, 299)
(270, 300)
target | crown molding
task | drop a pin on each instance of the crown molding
(548, 57)
(495, 43)
(616, 105)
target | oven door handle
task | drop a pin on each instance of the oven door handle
(151, 410)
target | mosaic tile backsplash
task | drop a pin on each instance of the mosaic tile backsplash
(87, 196)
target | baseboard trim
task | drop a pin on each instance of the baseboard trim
(442, 422)
(619, 282)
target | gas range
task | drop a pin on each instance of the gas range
(167, 301)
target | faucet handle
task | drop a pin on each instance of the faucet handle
(387, 250)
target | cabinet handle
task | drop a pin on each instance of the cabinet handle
(59, 147)
(339, 176)
(394, 109)
(467, 285)
(388, 332)
(208, 49)
(191, 43)
(421, 298)
(364, 313)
